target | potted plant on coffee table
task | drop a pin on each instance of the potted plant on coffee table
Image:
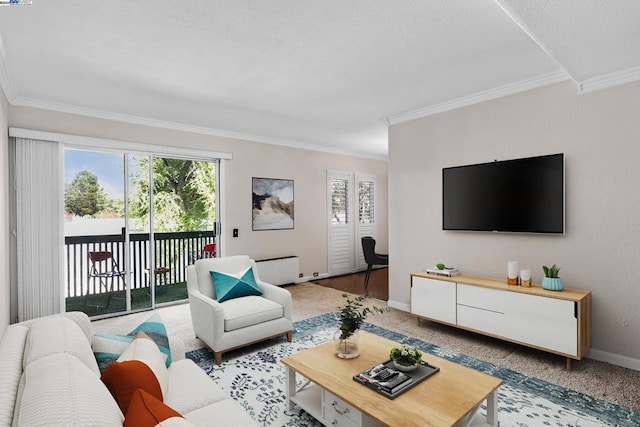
(405, 357)
(551, 281)
(352, 314)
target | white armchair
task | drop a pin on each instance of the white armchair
(236, 322)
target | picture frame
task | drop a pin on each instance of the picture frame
(272, 204)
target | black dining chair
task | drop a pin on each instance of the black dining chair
(371, 258)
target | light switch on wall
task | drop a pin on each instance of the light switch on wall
(235, 232)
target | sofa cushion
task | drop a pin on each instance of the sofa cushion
(82, 320)
(60, 390)
(229, 286)
(58, 334)
(247, 311)
(209, 416)
(107, 348)
(190, 388)
(147, 411)
(11, 355)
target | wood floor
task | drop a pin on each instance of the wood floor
(354, 283)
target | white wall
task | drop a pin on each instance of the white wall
(4, 215)
(599, 133)
(307, 168)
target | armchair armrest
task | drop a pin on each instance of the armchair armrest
(279, 295)
(207, 316)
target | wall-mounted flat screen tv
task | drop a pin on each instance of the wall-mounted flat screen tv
(521, 195)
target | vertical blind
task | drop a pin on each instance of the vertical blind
(38, 227)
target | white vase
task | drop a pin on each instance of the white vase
(347, 348)
(405, 368)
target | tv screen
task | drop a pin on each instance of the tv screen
(521, 195)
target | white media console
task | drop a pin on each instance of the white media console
(557, 322)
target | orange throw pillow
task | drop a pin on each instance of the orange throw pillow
(124, 378)
(147, 411)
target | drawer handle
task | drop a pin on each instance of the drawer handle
(335, 408)
(334, 423)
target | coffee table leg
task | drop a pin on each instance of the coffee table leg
(290, 387)
(492, 408)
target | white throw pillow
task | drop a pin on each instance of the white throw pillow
(146, 351)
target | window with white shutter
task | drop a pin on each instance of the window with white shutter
(351, 207)
(366, 225)
(339, 201)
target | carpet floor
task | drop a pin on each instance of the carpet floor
(255, 378)
(600, 380)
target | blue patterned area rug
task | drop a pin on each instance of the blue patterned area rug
(255, 378)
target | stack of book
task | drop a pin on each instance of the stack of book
(447, 271)
(390, 382)
(384, 378)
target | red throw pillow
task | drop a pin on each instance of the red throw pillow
(124, 378)
(147, 411)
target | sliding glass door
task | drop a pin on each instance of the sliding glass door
(98, 272)
(182, 219)
(133, 222)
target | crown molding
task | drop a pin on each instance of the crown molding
(487, 95)
(609, 80)
(144, 121)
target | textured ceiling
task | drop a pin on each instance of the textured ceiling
(327, 74)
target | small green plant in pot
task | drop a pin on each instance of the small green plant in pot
(352, 314)
(551, 281)
(405, 357)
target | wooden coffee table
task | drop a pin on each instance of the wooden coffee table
(450, 397)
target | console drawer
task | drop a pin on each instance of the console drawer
(478, 319)
(485, 298)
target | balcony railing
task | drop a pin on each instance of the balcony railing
(173, 250)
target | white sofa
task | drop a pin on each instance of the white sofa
(50, 377)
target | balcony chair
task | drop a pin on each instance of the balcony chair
(161, 280)
(209, 251)
(371, 258)
(105, 269)
(239, 321)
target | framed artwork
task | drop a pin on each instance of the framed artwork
(272, 204)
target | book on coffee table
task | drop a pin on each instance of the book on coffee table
(390, 382)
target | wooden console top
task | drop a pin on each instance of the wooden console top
(490, 282)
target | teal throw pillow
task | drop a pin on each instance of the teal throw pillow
(230, 286)
(107, 348)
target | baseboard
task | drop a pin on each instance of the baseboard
(614, 359)
(399, 305)
(312, 278)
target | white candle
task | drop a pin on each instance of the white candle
(512, 269)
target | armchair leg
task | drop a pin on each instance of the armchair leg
(218, 357)
(289, 336)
